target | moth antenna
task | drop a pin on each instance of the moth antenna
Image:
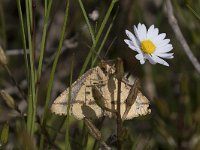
(113, 19)
(93, 51)
(97, 54)
(87, 45)
(109, 47)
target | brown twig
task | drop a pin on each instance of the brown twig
(174, 24)
(119, 76)
(119, 120)
(131, 98)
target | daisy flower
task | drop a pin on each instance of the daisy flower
(149, 44)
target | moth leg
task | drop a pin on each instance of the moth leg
(115, 68)
(102, 77)
(108, 67)
(131, 98)
(100, 100)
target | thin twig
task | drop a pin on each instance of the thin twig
(13, 52)
(14, 81)
(119, 76)
(174, 24)
(119, 121)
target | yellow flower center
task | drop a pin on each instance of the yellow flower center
(147, 46)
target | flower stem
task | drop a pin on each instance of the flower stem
(50, 84)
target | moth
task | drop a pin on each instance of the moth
(101, 80)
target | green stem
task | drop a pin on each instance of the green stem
(45, 7)
(50, 84)
(55, 62)
(193, 11)
(98, 36)
(87, 21)
(104, 40)
(43, 41)
(2, 20)
(30, 12)
(33, 33)
(67, 144)
(23, 38)
(42, 48)
(31, 101)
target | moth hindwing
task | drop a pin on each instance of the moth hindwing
(83, 102)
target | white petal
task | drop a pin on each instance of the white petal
(162, 43)
(150, 32)
(155, 41)
(154, 33)
(161, 36)
(159, 60)
(164, 49)
(137, 33)
(132, 37)
(142, 61)
(143, 32)
(151, 60)
(166, 55)
(139, 26)
(139, 56)
(130, 44)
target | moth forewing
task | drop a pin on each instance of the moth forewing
(82, 102)
(59, 105)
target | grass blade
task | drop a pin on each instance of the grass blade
(87, 21)
(104, 39)
(67, 144)
(50, 84)
(31, 99)
(98, 36)
(193, 11)
(3, 24)
(23, 39)
(43, 41)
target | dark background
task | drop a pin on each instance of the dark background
(174, 91)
